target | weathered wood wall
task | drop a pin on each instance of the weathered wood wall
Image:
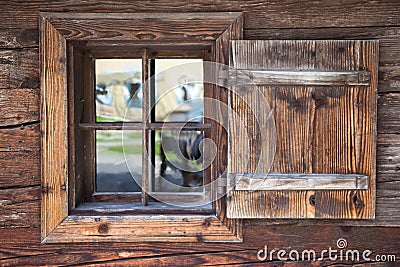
(276, 19)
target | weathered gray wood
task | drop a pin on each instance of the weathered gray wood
(388, 113)
(291, 181)
(318, 129)
(240, 77)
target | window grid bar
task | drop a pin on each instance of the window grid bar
(148, 126)
(145, 135)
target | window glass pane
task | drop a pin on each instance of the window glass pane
(118, 90)
(179, 90)
(178, 161)
(112, 172)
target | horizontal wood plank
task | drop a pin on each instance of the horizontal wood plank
(19, 68)
(129, 228)
(291, 181)
(389, 113)
(388, 37)
(270, 14)
(19, 169)
(20, 207)
(18, 106)
(20, 138)
(241, 77)
(22, 249)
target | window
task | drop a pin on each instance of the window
(300, 143)
(73, 48)
(150, 153)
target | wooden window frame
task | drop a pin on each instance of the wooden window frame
(84, 125)
(59, 34)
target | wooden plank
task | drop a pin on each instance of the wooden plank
(25, 251)
(268, 14)
(131, 27)
(54, 128)
(312, 133)
(19, 169)
(19, 68)
(219, 113)
(18, 106)
(388, 113)
(241, 77)
(291, 181)
(125, 208)
(388, 37)
(20, 207)
(129, 228)
(24, 137)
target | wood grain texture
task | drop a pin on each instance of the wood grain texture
(125, 228)
(21, 206)
(388, 113)
(136, 27)
(19, 68)
(220, 114)
(54, 128)
(268, 14)
(19, 169)
(295, 181)
(318, 129)
(303, 77)
(388, 37)
(23, 137)
(25, 251)
(19, 106)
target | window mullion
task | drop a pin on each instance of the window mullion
(145, 131)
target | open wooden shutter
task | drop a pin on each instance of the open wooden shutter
(302, 129)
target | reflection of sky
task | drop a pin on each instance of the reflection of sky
(110, 66)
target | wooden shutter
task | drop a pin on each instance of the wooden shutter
(302, 129)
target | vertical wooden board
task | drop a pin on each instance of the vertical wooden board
(54, 127)
(222, 49)
(318, 129)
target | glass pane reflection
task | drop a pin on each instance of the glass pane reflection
(179, 90)
(178, 161)
(112, 172)
(118, 90)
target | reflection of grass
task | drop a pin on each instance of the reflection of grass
(116, 136)
(137, 150)
(106, 119)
